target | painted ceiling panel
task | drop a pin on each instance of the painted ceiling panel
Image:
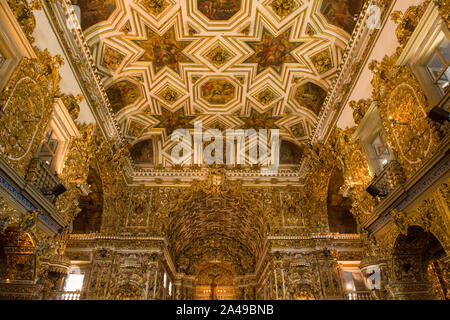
(230, 63)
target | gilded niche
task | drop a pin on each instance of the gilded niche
(18, 255)
(272, 51)
(219, 9)
(75, 171)
(310, 96)
(89, 218)
(341, 13)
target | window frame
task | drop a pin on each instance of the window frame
(420, 48)
(64, 128)
(369, 128)
(350, 267)
(14, 45)
(67, 279)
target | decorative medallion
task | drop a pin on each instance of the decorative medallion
(283, 8)
(169, 95)
(266, 96)
(112, 58)
(218, 56)
(298, 130)
(322, 61)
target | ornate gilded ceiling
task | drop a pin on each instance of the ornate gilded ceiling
(219, 229)
(230, 63)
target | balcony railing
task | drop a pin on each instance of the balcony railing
(359, 295)
(388, 179)
(69, 295)
(42, 176)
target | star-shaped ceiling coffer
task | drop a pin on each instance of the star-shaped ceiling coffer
(163, 50)
(272, 51)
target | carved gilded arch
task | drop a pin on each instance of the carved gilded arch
(227, 222)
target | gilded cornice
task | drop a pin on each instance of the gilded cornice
(356, 53)
(68, 31)
(186, 176)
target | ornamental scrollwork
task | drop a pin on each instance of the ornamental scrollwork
(360, 108)
(400, 221)
(23, 11)
(444, 10)
(408, 21)
(403, 110)
(26, 104)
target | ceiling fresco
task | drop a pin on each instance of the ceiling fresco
(229, 63)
